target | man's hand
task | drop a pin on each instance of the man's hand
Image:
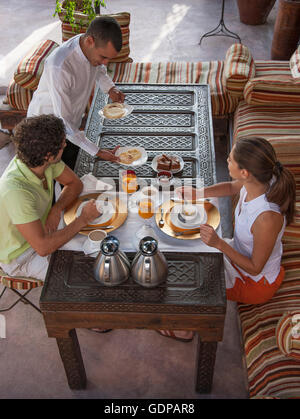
(109, 155)
(89, 212)
(116, 95)
(52, 220)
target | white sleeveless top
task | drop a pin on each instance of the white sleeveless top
(245, 215)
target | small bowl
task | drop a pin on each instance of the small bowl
(189, 212)
(164, 178)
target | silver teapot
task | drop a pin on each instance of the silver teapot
(149, 267)
(112, 267)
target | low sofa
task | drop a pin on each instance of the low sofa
(248, 98)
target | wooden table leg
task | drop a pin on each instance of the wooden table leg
(205, 363)
(70, 353)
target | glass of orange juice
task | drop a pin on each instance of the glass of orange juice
(129, 181)
(146, 210)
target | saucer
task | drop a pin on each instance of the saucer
(201, 217)
(108, 212)
(127, 108)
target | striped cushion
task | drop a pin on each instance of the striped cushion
(239, 67)
(122, 18)
(295, 63)
(206, 72)
(270, 373)
(271, 68)
(274, 89)
(288, 334)
(31, 67)
(18, 97)
(20, 282)
(266, 121)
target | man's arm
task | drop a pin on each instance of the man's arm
(72, 188)
(45, 244)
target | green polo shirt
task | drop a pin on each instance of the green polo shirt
(23, 199)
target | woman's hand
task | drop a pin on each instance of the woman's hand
(189, 193)
(209, 236)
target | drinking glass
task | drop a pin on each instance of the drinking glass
(129, 181)
(146, 210)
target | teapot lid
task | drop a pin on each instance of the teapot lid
(148, 245)
(110, 245)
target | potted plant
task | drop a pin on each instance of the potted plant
(78, 13)
(286, 30)
(254, 12)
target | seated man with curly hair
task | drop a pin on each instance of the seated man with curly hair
(29, 222)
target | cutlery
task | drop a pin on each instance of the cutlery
(98, 228)
(199, 201)
(161, 222)
(181, 218)
(186, 233)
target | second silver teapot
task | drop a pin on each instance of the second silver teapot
(149, 267)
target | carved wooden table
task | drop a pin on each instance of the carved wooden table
(166, 118)
(192, 298)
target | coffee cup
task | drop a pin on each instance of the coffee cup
(189, 212)
(94, 240)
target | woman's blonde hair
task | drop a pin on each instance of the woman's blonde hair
(258, 156)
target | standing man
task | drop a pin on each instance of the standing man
(68, 79)
(28, 228)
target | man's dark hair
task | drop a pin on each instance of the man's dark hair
(36, 137)
(104, 29)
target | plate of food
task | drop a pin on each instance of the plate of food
(115, 110)
(132, 156)
(107, 211)
(188, 216)
(172, 163)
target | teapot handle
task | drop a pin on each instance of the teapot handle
(147, 269)
(106, 269)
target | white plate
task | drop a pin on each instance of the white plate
(190, 224)
(108, 212)
(128, 110)
(154, 163)
(142, 160)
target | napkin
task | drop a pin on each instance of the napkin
(91, 183)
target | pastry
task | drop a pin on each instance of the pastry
(114, 110)
(130, 156)
(163, 163)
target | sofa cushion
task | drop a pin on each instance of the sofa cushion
(295, 63)
(207, 72)
(239, 67)
(273, 89)
(18, 97)
(30, 68)
(288, 334)
(122, 18)
(270, 372)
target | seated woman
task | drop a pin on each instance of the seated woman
(267, 192)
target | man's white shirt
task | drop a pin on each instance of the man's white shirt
(65, 88)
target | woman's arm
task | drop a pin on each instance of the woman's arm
(265, 230)
(217, 190)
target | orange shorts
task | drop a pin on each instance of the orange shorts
(251, 292)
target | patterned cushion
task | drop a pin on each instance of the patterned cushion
(295, 63)
(275, 89)
(20, 282)
(122, 18)
(288, 334)
(18, 97)
(271, 68)
(31, 67)
(270, 373)
(239, 67)
(207, 72)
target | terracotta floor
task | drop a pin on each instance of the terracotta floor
(123, 364)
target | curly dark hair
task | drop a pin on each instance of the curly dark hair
(36, 137)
